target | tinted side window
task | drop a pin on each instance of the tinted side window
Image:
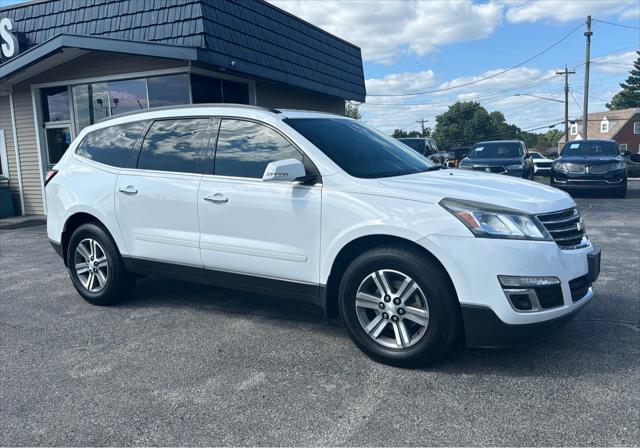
(174, 145)
(112, 145)
(246, 148)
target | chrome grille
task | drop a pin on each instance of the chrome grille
(600, 168)
(575, 168)
(565, 227)
(490, 169)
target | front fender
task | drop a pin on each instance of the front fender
(349, 216)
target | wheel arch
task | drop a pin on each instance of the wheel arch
(73, 222)
(355, 247)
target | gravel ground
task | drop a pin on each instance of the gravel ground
(183, 364)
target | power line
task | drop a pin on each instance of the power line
(490, 76)
(617, 24)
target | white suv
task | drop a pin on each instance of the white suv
(323, 209)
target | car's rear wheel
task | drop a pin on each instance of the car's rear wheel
(96, 268)
(399, 307)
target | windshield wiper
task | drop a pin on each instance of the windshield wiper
(432, 168)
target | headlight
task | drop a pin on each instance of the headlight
(617, 166)
(560, 166)
(515, 167)
(488, 221)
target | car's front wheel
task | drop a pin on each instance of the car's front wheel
(399, 307)
(95, 266)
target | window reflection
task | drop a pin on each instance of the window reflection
(174, 145)
(127, 96)
(168, 90)
(246, 148)
(90, 104)
(55, 104)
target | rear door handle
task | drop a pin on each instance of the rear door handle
(129, 189)
(217, 198)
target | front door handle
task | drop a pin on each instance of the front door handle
(217, 198)
(129, 189)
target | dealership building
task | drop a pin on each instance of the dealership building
(69, 63)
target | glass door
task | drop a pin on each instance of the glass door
(58, 138)
(56, 111)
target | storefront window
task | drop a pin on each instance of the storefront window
(127, 96)
(235, 92)
(168, 90)
(90, 104)
(55, 104)
(205, 89)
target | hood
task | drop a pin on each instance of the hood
(492, 161)
(584, 160)
(496, 189)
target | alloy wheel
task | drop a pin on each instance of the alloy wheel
(91, 265)
(392, 309)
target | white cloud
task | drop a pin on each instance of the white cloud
(567, 10)
(401, 82)
(615, 63)
(518, 107)
(387, 29)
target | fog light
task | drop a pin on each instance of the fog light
(521, 302)
(509, 281)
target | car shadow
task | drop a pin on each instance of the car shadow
(155, 291)
(568, 353)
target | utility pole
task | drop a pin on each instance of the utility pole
(566, 74)
(587, 63)
(421, 122)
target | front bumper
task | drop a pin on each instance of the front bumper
(609, 180)
(474, 265)
(483, 328)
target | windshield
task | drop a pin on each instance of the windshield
(416, 143)
(536, 155)
(496, 150)
(587, 148)
(360, 150)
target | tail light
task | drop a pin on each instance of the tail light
(49, 176)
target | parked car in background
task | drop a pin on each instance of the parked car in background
(425, 146)
(590, 165)
(508, 157)
(541, 165)
(633, 165)
(322, 209)
(440, 158)
(457, 154)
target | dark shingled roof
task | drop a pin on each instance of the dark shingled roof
(262, 39)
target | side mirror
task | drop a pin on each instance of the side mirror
(286, 170)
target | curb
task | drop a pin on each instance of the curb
(22, 224)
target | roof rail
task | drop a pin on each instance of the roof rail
(187, 106)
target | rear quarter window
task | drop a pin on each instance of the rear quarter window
(112, 145)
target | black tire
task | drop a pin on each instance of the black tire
(444, 324)
(118, 281)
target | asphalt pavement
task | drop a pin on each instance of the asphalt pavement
(184, 364)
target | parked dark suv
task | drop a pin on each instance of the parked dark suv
(425, 146)
(590, 165)
(500, 157)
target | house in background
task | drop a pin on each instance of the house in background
(67, 64)
(622, 125)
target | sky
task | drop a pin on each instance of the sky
(413, 46)
(416, 46)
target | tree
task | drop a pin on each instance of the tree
(401, 133)
(629, 96)
(465, 123)
(352, 110)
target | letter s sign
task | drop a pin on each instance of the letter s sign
(8, 39)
